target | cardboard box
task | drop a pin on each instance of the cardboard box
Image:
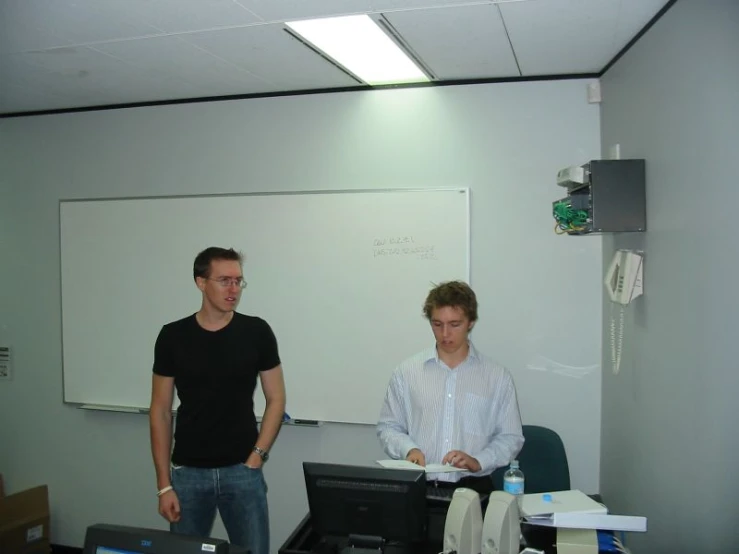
(24, 522)
(38, 547)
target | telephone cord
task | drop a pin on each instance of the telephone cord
(617, 339)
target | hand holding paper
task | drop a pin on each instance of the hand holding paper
(430, 468)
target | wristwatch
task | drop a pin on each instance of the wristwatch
(262, 453)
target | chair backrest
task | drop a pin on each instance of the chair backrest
(543, 461)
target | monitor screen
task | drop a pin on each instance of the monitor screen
(387, 504)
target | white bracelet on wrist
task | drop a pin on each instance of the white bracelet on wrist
(165, 489)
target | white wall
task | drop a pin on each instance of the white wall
(503, 141)
(670, 447)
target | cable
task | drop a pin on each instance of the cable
(608, 542)
(568, 219)
(620, 546)
(617, 339)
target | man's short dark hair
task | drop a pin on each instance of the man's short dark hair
(455, 294)
(201, 267)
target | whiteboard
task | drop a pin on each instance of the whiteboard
(340, 277)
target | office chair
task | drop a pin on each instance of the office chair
(543, 461)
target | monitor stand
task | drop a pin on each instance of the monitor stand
(364, 544)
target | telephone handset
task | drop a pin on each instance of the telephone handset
(624, 283)
(624, 277)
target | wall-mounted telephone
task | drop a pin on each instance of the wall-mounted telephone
(624, 277)
(624, 282)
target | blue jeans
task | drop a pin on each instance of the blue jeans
(238, 492)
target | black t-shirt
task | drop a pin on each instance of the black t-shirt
(215, 373)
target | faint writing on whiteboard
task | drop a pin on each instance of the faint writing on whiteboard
(393, 240)
(420, 252)
(6, 369)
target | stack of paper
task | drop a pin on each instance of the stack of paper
(603, 522)
(575, 510)
(429, 468)
(558, 502)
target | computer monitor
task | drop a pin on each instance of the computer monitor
(118, 539)
(367, 505)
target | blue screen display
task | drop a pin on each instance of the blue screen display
(104, 550)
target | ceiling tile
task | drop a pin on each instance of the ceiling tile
(174, 58)
(403, 5)
(88, 81)
(40, 24)
(72, 63)
(458, 43)
(72, 21)
(18, 97)
(632, 18)
(174, 16)
(82, 78)
(568, 36)
(270, 52)
(22, 28)
(289, 10)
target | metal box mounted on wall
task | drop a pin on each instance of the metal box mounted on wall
(603, 196)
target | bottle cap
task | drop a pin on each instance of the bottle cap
(514, 463)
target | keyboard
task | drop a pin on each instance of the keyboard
(439, 494)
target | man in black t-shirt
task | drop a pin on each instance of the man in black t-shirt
(213, 359)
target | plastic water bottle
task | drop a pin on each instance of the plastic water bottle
(513, 481)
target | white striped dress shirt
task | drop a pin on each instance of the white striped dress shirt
(472, 408)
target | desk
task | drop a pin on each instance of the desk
(304, 540)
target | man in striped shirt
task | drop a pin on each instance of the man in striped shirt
(451, 404)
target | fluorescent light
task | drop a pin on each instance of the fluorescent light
(357, 43)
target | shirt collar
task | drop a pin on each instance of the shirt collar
(431, 354)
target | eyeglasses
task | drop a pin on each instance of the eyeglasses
(229, 281)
